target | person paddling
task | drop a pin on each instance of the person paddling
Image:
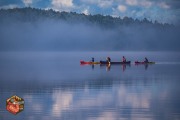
(92, 59)
(108, 60)
(123, 59)
(146, 60)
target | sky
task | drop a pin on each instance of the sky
(164, 11)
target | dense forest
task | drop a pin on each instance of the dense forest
(33, 14)
(37, 29)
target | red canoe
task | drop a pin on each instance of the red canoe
(85, 62)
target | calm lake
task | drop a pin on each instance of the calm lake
(56, 87)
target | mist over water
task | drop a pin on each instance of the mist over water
(54, 35)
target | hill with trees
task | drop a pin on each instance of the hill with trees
(37, 29)
(33, 14)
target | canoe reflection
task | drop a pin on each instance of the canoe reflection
(108, 66)
(145, 65)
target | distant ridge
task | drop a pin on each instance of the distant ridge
(32, 29)
(29, 14)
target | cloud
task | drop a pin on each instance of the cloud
(27, 2)
(105, 3)
(146, 3)
(174, 4)
(164, 5)
(150, 9)
(86, 11)
(122, 8)
(109, 7)
(11, 6)
(62, 5)
(131, 2)
(100, 3)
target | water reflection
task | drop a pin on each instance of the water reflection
(108, 66)
(92, 67)
(63, 90)
(121, 101)
(61, 101)
(145, 65)
(85, 104)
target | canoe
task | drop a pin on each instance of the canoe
(105, 62)
(85, 62)
(137, 62)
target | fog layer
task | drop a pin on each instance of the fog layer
(58, 35)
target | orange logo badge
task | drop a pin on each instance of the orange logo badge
(15, 104)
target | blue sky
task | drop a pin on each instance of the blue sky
(162, 10)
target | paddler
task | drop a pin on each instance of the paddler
(108, 60)
(92, 59)
(123, 59)
(146, 60)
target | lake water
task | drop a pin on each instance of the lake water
(56, 87)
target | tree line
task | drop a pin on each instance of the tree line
(29, 14)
